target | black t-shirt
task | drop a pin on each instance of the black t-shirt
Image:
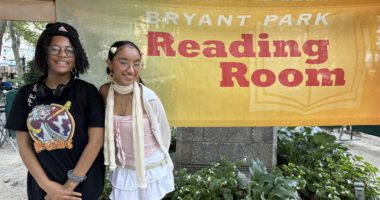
(58, 127)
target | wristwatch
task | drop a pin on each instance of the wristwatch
(74, 178)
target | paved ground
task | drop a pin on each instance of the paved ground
(12, 171)
(365, 145)
(12, 175)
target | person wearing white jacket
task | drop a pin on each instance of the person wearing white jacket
(137, 132)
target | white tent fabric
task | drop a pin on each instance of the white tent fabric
(28, 10)
(45, 10)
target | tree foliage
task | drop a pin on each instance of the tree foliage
(29, 30)
(32, 74)
(17, 30)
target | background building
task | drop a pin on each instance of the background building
(7, 59)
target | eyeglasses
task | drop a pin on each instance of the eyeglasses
(56, 50)
(125, 63)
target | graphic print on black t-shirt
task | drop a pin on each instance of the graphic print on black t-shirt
(51, 127)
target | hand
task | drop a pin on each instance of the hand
(70, 185)
(56, 191)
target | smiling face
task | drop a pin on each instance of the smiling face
(61, 55)
(126, 65)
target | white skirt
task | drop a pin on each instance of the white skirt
(160, 180)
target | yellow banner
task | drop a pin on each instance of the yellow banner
(244, 63)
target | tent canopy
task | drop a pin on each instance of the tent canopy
(45, 10)
(28, 10)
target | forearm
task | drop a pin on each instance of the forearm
(89, 154)
(30, 160)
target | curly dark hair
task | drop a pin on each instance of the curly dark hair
(40, 56)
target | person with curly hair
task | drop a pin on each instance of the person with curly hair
(59, 121)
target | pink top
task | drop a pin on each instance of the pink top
(124, 139)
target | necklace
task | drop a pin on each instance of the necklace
(124, 103)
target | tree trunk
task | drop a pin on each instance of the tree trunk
(15, 47)
(3, 25)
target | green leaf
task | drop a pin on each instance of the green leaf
(242, 180)
(227, 194)
(284, 193)
(257, 169)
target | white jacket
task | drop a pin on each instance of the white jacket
(157, 117)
